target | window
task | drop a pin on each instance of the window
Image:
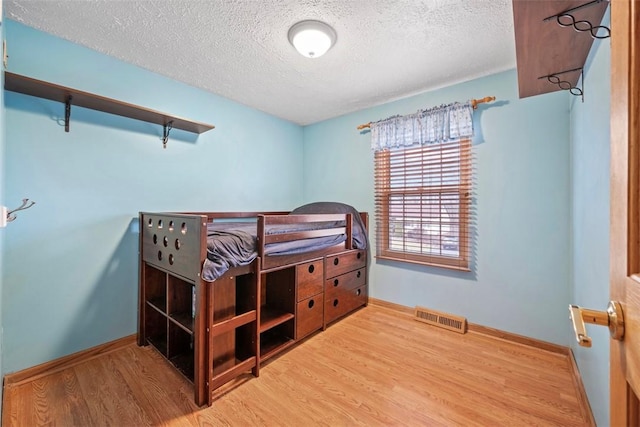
(423, 204)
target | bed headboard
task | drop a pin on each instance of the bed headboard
(173, 241)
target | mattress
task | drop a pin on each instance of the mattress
(233, 244)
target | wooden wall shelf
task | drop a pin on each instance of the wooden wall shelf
(26, 85)
(544, 47)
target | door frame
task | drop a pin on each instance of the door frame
(625, 205)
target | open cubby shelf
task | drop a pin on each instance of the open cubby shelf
(160, 343)
(274, 345)
(271, 317)
(171, 334)
(159, 304)
(184, 364)
(184, 320)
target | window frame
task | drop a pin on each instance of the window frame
(383, 194)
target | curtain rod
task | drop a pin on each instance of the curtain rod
(474, 104)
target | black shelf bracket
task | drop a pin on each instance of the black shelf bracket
(565, 85)
(166, 128)
(566, 19)
(67, 112)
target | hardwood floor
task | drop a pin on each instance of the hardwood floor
(376, 367)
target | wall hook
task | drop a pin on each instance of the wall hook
(26, 204)
(165, 133)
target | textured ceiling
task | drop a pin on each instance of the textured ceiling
(386, 49)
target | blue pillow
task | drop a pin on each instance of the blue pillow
(359, 230)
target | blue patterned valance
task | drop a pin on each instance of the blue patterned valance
(436, 125)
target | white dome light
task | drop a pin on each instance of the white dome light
(312, 38)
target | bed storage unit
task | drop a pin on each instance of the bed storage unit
(222, 292)
(277, 312)
(309, 287)
(346, 283)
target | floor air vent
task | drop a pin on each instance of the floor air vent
(442, 320)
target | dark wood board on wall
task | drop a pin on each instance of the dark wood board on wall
(544, 47)
(29, 86)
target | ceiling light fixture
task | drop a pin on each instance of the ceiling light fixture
(312, 38)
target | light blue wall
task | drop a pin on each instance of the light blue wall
(70, 277)
(522, 246)
(590, 155)
(2, 199)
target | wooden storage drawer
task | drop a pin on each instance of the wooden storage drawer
(309, 279)
(346, 261)
(345, 302)
(308, 316)
(344, 282)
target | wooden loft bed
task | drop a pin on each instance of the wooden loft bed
(213, 331)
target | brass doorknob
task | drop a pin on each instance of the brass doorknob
(613, 318)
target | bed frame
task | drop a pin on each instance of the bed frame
(212, 332)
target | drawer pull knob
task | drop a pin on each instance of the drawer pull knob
(358, 292)
(335, 282)
(171, 259)
(178, 244)
(335, 302)
(359, 255)
(311, 303)
(311, 268)
(358, 274)
(165, 241)
(336, 261)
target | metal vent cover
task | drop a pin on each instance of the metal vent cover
(441, 320)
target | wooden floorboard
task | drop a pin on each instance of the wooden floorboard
(376, 367)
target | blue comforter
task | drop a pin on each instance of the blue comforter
(232, 244)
